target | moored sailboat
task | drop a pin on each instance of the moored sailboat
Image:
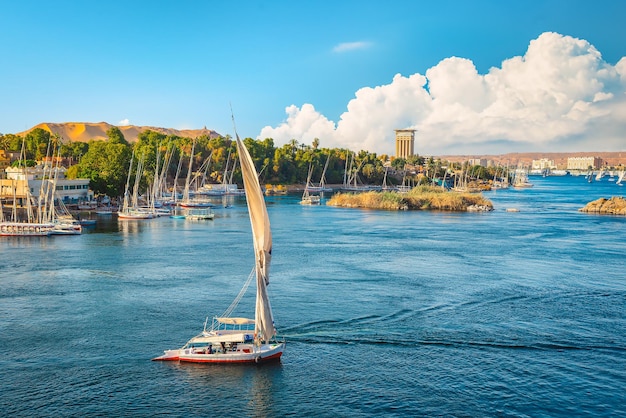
(130, 209)
(235, 339)
(520, 180)
(307, 197)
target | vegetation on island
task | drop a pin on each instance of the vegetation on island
(419, 198)
(612, 206)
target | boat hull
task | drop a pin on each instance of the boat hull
(19, 229)
(196, 205)
(266, 354)
(132, 216)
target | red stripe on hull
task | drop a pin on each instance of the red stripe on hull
(215, 361)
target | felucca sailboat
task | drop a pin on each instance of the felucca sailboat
(241, 340)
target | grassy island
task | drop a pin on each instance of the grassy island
(419, 198)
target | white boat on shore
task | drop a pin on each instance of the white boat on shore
(520, 179)
(130, 209)
(130, 214)
(307, 197)
(235, 339)
(311, 199)
(25, 229)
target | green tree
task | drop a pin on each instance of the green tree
(415, 160)
(74, 150)
(106, 164)
(115, 135)
(36, 143)
(72, 172)
(284, 168)
(21, 163)
(398, 164)
(13, 142)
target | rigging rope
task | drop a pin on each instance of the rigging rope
(242, 292)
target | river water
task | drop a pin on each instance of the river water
(384, 313)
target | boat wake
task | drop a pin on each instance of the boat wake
(408, 328)
(402, 341)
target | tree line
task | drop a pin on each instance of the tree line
(107, 162)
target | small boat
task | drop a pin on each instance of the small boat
(307, 197)
(25, 229)
(520, 180)
(195, 204)
(277, 189)
(66, 227)
(131, 214)
(130, 209)
(188, 201)
(310, 200)
(322, 184)
(235, 339)
(200, 214)
(105, 211)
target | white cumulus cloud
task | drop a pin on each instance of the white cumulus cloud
(559, 96)
(123, 122)
(304, 125)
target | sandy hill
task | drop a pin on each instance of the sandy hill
(85, 131)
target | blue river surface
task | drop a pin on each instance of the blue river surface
(410, 313)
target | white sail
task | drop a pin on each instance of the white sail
(262, 237)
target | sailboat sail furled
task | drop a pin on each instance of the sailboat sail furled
(262, 238)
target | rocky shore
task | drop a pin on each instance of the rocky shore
(612, 206)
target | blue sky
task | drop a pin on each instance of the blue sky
(346, 72)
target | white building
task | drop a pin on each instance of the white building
(543, 164)
(69, 191)
(479, 161)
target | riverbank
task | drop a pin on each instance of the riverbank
(419, 198)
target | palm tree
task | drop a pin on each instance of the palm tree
(294, 146)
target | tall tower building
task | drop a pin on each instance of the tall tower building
(405, 143)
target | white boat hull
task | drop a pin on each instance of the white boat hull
(19, 229)
(263, 354)
(134, 215)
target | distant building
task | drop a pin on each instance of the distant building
(583, 163)
(478, 161)
(543, 164)
(5, 162)
(405, 143)
(69, 191)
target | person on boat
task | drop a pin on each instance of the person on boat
(223, 347)
(210, 350)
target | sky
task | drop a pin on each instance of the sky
(479, 77)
